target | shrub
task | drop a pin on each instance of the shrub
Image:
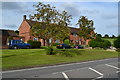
(117, 42)
(43, 47)
(100, 43)
(55, 44)
(118, 50)
(49, 51)
(93, 43)
(67, 41)
(72, 44)
(34, 44)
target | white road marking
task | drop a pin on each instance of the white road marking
(65, 76)
(112, 66)
(69, 70)
(101, 75)
(52, 66)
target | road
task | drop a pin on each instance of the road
(91, 70)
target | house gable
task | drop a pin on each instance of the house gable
(24, 30)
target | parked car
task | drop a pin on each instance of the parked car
(17, 44)
(78, 47)
(63, 46)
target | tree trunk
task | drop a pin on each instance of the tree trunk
(43, 42)
(47, 42)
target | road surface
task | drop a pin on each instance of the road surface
(91, 70)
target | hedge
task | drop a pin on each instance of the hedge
(99, 43)
(34, 44)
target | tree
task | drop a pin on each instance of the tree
(117, 42)
(50, 24)
(113, 36)
(98, 35)
(17, 32)
(86, 28)
(63, 22)
(106, 36)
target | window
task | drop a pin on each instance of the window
(74, 34)
(50, 40)
(57, 41)
(35, 39)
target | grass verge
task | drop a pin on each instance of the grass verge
(24, 58)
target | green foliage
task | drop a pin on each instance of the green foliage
(43, 47)
(50, 24)
(98, 35)
(98, 42)
(86, 28)
(117, 42)
(17, 32)
(34, 44)
(49, 51)
(55, 44)
(72, 44)
(118, 50)
(104, 44)
(67, 41)
(93, 43)
(113, 36)
(106, 36)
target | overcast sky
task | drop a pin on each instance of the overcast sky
(104, 14)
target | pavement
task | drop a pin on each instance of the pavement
(106, 69)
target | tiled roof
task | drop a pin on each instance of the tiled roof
(73, 30)
(8, 32)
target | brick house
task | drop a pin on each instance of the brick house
(5, 35)
(26, 25)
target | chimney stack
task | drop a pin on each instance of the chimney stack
(24, 17)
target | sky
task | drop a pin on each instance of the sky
(104, 14)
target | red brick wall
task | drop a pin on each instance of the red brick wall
(74, 38)
(24, 30)
(4, 39)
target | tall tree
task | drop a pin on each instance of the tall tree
(63, 22)
(51, 23)
(86, 28)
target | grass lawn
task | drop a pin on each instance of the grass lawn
(23, 58)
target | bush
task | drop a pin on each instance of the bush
(34, 44)
(69, 52)
(55, 44)
(93, 43)
(100, 43)
(43, 47)
(72, 44)
(67, 41)
(49, 51)
(117, 42)
(118, 50)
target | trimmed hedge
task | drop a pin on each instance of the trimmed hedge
(34, 44)
(99, 43)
